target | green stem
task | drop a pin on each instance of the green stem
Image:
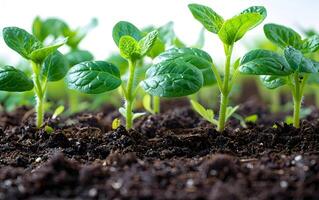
(129, 97)
(39, 88)
(156, 104)
(73, 101)
(225, 90)
(297, 101)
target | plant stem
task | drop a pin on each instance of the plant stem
(73, 101)
(225, 90)
(156, 104)
(297, 101)
(39, 88)
(129, 99)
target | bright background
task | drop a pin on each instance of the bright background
(295, 13)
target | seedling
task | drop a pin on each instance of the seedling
(292, 68)
(229, 32)
(98, 76)
(47, 65)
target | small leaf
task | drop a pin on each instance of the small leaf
(172, 79)
(55, 67)
(94, 77)
(282, 36)
(37, 29)
(137, 115)
(310, 44)
(48, 129)
(298, 62)
(235, 28)
(124, 28)
(14, 80)
(251, 118)
(157, 49)
(77, 56)
(264, 62)
(129, 48)
(272, 82)
(56, 28)
(230, 111)
(116, 123)
(147, 42)
(207, 17)
(58, 111)
(40, 54)
(257, 9)
(207, 114)
(21, 41)
(147, 103)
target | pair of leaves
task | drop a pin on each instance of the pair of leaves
(131, 42)
(29, 46)
(94, 77)
(284, 36)
(274, 67)
(178, 72)
(233, 29)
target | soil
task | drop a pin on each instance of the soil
(174, 155)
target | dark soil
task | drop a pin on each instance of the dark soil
(175, 155)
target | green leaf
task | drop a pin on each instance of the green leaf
(147, 42)
(166, 34)
(147, 103)
(298, 62)
(207, 114)
(129, 48)
(77, 56)
(257, 9)
(230, 111)
(310, 44)
(118, 61)
(235, 28)
(198, 58)
(124, 28)
(55, 67)
(157, 49)
(251, 118)
(94, 77)
(58, 111)
(21, 41)
(55, 27)
(37, 29)
(173, 78)
(137, 115)
(40, 54)
(282, 36)
(264, 62)
(272, 82)
(207, 17)
(14, 80)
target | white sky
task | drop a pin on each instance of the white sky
(294, 13)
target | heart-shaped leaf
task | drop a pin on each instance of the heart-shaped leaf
(94, 77)
(21, 41)
(236, 27)
(55, 67)
(124, 28)
(14, 80)
(282, 36)
(272, 82)
(173, 78)
(77, 56)
(207, 17)
(264, 62)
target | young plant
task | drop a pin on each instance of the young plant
(229, 32)
(292, 68)
(47, 65)
(99, 76)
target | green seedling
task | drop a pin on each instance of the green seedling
(229, 32)
(292, 68)
(47, 63)
(95, 77)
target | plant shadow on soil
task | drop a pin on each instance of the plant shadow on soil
(174, 155)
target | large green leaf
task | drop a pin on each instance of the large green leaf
(272, 82)
(124, 28)
(298, 62)
(198, 58)
(21, 41)
(129, 48)
(283, 36)
(310, 44)
(77, 56)
(172, 78)
(147, 42)
(40, 54)
(55, 67)
(264, 62)
(94, 77)
(235, 28)
(14, 80)
(207, 17)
